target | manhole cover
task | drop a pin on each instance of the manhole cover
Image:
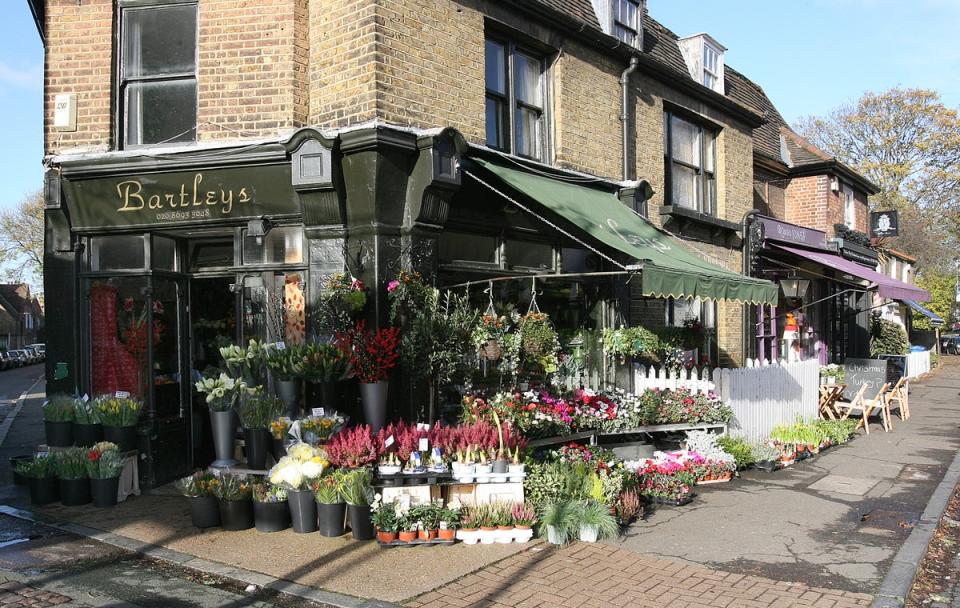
(884, 519)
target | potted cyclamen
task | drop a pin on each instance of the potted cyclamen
(58, 416)
(119, 415)
(198, 489)
(331, 508)
(286, 368)
(223, 393)
(296, 472)
(270, 510)
(524, 517)
(358, 494)
(104, 465)
(87, 429)
(385, 518)
(256, 414)
(71, 467)
(372, 355)
(41, 478)
(236, 506)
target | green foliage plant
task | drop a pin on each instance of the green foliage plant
(258, 411)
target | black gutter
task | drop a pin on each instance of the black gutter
(37, 8)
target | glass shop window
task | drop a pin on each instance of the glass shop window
(120, 252)
(282, 245)
(121, 321)
(164, 255)
(211, 254)
(464, 248)
(524, 254)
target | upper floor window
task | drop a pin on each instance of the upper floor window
(849, 208)
(711, 67)
(626, 20)
(515, 104)
(158, 73)
(690, 152)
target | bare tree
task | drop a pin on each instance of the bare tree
(908, 143)
(21, 239)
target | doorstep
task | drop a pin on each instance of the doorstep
(334, 571)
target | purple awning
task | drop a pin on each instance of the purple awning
(887, 287)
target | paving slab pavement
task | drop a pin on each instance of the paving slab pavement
(836, 520)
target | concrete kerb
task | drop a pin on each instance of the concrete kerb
(896, 584)
(8, 421)
(185, 560)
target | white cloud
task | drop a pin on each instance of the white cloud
(29, 77)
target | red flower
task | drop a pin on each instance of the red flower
(93, 455)
(128, 305)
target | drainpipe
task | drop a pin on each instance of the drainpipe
(747, 334)
(625, 114)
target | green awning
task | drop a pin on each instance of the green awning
(670, 269)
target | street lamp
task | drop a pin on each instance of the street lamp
(794, 288)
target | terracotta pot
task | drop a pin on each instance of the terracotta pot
(447, 534)
(427, 534)
(505, 528)
(386, 537)
(407, 535)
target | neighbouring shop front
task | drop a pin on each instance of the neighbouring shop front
(155, 261)
(827, 293)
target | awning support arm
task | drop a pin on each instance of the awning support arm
(560, 275)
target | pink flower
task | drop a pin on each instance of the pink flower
(128, 305)
(392, 286)
(158, 307)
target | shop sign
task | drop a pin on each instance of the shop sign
(857, 372)
(859, 254)
(774, 230)
(181, 197)
(884, 223)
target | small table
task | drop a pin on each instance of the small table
(829, 395)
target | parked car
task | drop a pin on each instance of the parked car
(17, 359)
(41, 350)
(950, 344)
(6, 360)
(33, 357)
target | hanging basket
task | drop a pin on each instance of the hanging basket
(491, 350)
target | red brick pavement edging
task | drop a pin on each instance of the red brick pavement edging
(601, 575)
(17, 595)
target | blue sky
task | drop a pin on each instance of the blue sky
(809, 55)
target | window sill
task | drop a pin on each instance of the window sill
(685, 216)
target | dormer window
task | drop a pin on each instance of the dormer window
(704, 57)
(711, 67)
(626, 20)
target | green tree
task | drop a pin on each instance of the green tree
(21, 239)
(908, 143)
(943, 288)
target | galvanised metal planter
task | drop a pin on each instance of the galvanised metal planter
(224, 426)
(374, 397)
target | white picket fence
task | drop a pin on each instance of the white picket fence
(760, 395)
(918, 364)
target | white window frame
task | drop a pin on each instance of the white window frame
(628, 32)
(849, 207)
(706, 202)
(711, 76)
(510, 106)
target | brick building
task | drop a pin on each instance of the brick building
(205, 156)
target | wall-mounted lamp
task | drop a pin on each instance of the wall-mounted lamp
(259, 228)
(794, 288)
(834, 184)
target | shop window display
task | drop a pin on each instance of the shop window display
(120, 319)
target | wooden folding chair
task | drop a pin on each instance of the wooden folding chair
(879, 402)
(845, 408)
(829, 396)
(900, 393)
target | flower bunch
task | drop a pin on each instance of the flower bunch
(267, 492)
(353, 447)
(85, 412)
(286, 363)
(324, 363)
(200, 483)
(233, 487)
(302, 464)
(317, 429)
(351, 292)
(223, 391)
(279, 427)
(118, 411)
(684, 405)
(104, 461)
(60, 408)
(372, 353)
(247, 362)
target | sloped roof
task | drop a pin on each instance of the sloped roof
(582, 10)
(766, 138)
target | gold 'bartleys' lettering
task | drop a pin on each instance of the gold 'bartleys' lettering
(133, 196)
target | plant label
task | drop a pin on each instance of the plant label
(388, 441)
(318, 411)
(422, 426)
(281, 346)
(424, 444)
(85, 397)
(122, 395)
